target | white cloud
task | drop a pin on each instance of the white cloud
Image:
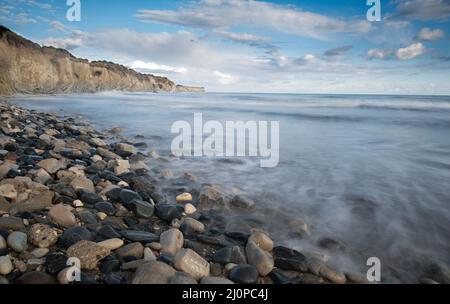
(412, 51)
(241, 37)
(225, 79)
(151, 67)
(429, 34)
(224, 14)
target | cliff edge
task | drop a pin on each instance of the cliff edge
(28, 68)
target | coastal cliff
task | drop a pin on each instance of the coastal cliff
(28, 68)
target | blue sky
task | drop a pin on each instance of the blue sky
(256, 46)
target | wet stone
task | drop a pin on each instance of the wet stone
(105, 207)
(244, 274)
(167, 212)
(75, 234)
(139, 236)
(141, 208)
(55, 262)
(289, 259)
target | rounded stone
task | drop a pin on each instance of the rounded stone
(89, 253)
(17, 241)
(189, 208)
(245, 274)
(6, 265)
(62, 216)
(75, 234)
(3, 244)
(184, 197)
(42, 236)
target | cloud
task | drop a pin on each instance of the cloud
(337, 52)
(151, 67)
(242, 37)
(225, 79)
(412, 51)
(45, 6)
(225, 14)
(423, 9)
(64, 43)
(429, 34)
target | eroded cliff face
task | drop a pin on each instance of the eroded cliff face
(28, 68)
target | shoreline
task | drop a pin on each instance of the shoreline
(76, 194)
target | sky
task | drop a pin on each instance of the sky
(304, 46)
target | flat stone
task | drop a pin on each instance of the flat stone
(153, 272)
(121, 166)
(133, 265)
(105, 207)
(88, 252)
(52, 165)
(111, 244)
(84, 183)
(17, 241)
(171, 241)
(289, 259)
(11, 223)
(262, 260)
(8, 191)
(62, 216)
(189, 261)
(139, 236)
(134, 249)
(36, 201)
(43, 236)
(244, 274)
(108, 232)
(141, 208)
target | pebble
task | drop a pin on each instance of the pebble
(184, 198)
(8, 191)
(189, 261)
(127, 196)
(62, 216)
(262, 240)
(77, 203)
(121, 166)
(262, 260)
(155, 246)
(75, 234)
(141, 208)
(194, 224)
(43, 236)
(167, 212)
(289, 259)
(81, 182)
(17, 241)
(171, 241)
(318, 268)
(235, 255)
(11, 223)
(102, 215)
(105, 207)
(189, 209)
(55, 262)
(134, 249)
(40, 252)
(88, 252)
(139, 236)
(65, 276)
(111, 244)
(6, 266)
(52, 165)
(149, 255)
(153, 272)
(245, 274)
